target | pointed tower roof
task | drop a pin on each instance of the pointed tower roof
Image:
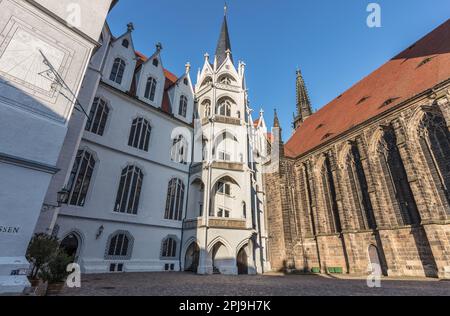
(276, 121)
(224, 43)
(304, 108)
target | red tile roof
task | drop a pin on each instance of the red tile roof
(415, 70)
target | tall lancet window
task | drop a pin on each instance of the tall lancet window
(175, 200)
(182, 111)
(80, 177)
(435, 143)
(358, 189)
(329, 190)
(397, 180)
(117, 71)
(150, 89)
(98, 117)
(129, 192)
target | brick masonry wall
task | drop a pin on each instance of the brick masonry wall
(422, 250)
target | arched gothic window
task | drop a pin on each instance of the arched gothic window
(224, 108)
(329, 190)
(117, 71)
(435, 144)
(140, 134)
(98, 117)
(80, 178)
(119, 246)
(182, 110)
(179, 150)
(405, 206)
(129, 192)
(359, 190)
(150, 89)
(169, 248)
(175, 200)
(206, 105)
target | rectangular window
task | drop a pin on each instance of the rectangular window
(224, 156)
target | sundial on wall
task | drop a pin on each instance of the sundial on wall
(23, 61)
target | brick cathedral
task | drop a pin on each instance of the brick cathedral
(366, 179)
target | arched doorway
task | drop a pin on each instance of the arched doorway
(192, 258)
(71, 245)
(374, 257)
(221, 259)
(242, 261)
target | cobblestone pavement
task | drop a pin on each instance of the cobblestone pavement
(182, 284)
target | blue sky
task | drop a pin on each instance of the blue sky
(329, 40)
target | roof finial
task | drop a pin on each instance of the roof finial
(130, 27)
(225, 9)
(159, 46)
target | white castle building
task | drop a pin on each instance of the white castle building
(163, 176)
(45, 48)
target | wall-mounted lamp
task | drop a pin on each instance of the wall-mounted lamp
(62, 197)
(100, 232)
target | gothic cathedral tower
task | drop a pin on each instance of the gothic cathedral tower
(304, 109)
(224, 230)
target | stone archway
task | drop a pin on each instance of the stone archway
(221, 259)
(242, 261)
(192, 258)
(71, 245)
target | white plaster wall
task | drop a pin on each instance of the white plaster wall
(92, 13)
(146, 247)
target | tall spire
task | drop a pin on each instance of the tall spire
(304, 108)
(276, 121)
(224, 43)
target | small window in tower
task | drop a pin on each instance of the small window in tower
(155, 62)
(186, 82)
(125, 43)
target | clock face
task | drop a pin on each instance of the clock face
(23, 62)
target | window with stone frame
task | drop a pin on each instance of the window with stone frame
(179, 150)
(330, 202)
(80, 177)
(435, 144)
(182, 110)
(118, 71)
(358, 190)
(140, 134)
(150, 89)
(119, 246)
(398, 186)
(223, 213)
(129, 192)
(224, 188)
(175, 200)
(169, 248)
(206, 105)
(224, 108)
(98, 117)
(306, 201)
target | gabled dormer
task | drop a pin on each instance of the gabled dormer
(205, 77)
(121, 61)
(150, 79)
(182, 97)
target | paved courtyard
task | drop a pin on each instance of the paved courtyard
(181, 284)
